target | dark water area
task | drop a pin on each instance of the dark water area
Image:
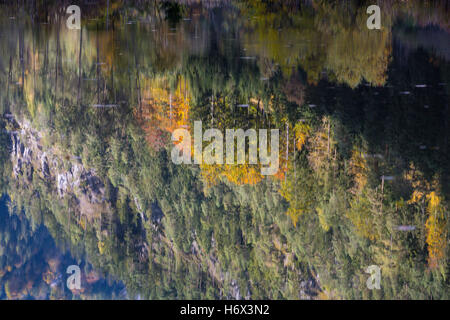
(87, 170)
(35, 264)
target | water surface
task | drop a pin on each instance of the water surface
(85, 160)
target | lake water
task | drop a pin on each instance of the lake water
(88, 126)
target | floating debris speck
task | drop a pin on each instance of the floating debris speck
(405, 228)
(104, 105)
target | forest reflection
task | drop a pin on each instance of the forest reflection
(85, 169)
